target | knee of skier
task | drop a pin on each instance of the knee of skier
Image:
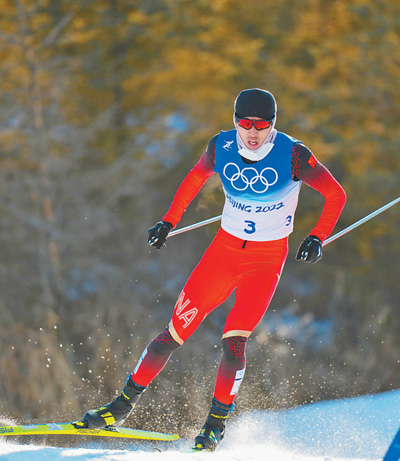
(164, 343)
(234, 348)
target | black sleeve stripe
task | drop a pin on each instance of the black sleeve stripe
(301, 154)
(211, 148)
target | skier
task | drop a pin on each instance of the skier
(261, 170)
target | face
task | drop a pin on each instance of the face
(253, 138)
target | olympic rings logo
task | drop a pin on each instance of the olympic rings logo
(250, 177)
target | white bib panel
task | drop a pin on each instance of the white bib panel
(260, 220)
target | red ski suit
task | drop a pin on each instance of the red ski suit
(253, 268)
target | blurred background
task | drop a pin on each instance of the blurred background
(105, 107)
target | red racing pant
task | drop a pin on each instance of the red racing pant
(252, 268)
(229, 263)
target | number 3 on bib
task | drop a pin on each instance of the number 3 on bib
(251, 227)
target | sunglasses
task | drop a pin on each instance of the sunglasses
(258, 124)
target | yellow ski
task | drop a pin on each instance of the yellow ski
(70, 429)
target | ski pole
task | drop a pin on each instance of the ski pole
(361, 221)
(194, 226)
(329, 240)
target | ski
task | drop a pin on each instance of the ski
(393, 453)
(70, 429)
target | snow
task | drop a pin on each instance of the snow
(359, 428)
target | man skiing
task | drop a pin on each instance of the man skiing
(261, 170)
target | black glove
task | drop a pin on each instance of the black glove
(310, 250)
(159, 233)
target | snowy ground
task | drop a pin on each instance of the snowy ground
(352, 429)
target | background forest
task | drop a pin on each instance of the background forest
(105, 107)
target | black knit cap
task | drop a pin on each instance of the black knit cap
(255, 103)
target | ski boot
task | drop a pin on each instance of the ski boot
(213, 430)
(115, 412)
